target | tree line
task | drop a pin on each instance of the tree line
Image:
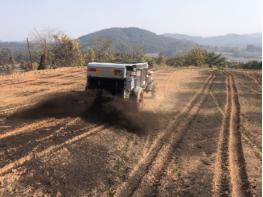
(54, 50)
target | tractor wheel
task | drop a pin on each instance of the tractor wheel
(140, 100)
(136, 101)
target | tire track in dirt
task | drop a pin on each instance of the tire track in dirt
(221, 177)
(238, 173)
(150, 182)
(253, 78)
(253, 146)
(149, 140)
(53, 148)
(33, 101)
(166, 87)
(12, 109)
(167, 82)
(190, 167)
(17, 83)
(22, 143)
(29, 127)
(58, 131)
(7, 110)
(230, 174)
(256, 79)
(144, 176)
(216, 103)
(245, 132)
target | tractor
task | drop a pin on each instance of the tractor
(128, 81)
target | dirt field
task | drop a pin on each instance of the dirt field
(200, 136)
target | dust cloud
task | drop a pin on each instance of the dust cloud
(93, 107)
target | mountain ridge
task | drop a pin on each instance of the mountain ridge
(227, 40)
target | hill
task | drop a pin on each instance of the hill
(13, 45)
(235, 47)
(228, 40)
(126, 39)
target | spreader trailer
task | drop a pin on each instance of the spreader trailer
(128, 81)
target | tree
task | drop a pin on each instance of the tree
(221, 62)
(43, 41)
(151, 60)
(196, 56)
(66, 52)
(90, 56)
(251, 65)
(43, 62)
(131, 55)
(176, 61)
(5, 55)
(11, 62)
(160, 59)
(214, 59)
(7, 61)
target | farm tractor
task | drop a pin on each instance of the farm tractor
(128, 81)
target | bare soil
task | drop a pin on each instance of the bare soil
(200, 136)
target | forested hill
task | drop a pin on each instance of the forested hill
(129, 39)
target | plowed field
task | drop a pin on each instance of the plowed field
(200, 136)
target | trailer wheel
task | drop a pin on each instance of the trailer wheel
(140, 100)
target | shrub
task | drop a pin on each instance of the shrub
(66, 52)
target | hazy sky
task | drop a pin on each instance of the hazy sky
(19, 18)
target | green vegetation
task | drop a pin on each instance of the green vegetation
(66, 52)
(7, 60)
(60, 51)
(215, 59)
(89, 56)
(248, 65)
(197, 57)
(251, 65)
(160, 59)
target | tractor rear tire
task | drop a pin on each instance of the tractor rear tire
(140, 100)
(137, 101)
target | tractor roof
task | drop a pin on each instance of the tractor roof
(115, 65)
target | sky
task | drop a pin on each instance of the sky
(19, 18)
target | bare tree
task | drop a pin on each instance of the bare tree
(44, 40)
